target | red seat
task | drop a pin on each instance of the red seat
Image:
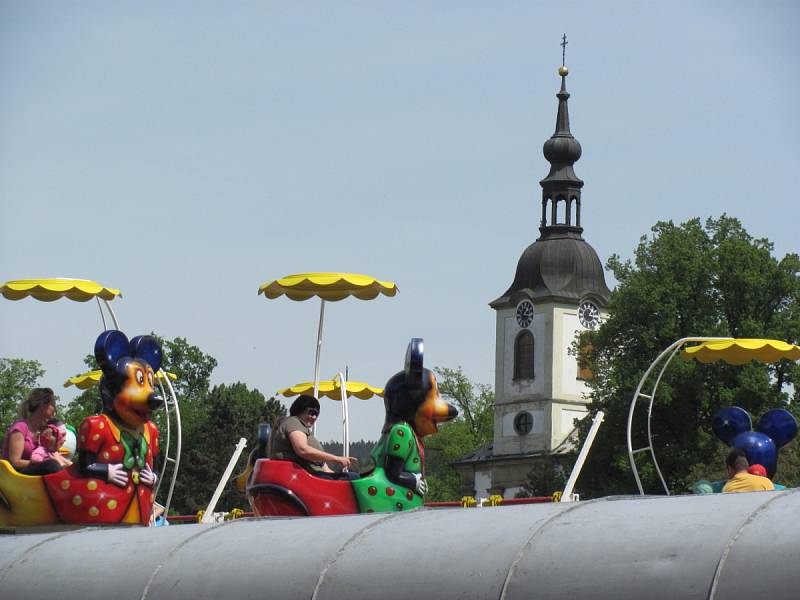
(284, 488)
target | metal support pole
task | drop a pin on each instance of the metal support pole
(208, 516)
(345, 416)
(319, 347)
(576, 470)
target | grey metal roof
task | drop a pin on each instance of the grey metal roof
(691, 547)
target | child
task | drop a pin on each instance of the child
(50, 440)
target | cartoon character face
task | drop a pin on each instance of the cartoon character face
(127, 385)
(433, 409)
(136, 399)
(412, 395)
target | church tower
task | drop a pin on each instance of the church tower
(558, 291)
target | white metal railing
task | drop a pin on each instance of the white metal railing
(663, 359)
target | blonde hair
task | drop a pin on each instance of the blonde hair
(36, 398)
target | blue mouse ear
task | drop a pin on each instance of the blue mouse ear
(780, 425)
(110, 346)
(414, 368)
(147, 348)
(730, 422)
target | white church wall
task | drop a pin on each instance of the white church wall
(525, 388)
(538, 422)
(567, 385)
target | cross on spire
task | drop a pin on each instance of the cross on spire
(563, 45)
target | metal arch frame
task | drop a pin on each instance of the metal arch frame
(172, 399)
(669, 354)
(110, 312)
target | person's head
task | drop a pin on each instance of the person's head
(305, 408)
(757, 469)
(53, 435)
(39, 406)
(736, 461)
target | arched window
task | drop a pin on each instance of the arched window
(561, 211)
(523, 355)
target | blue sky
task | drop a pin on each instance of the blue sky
(188, 152)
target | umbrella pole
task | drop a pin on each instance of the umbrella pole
(345, 424)
(319, 347)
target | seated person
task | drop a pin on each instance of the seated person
(19, 441)
(292, 440)
(740, 480)
(50, 440)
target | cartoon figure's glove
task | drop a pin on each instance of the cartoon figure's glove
(422, 485)
(147, 476)
(117, 475)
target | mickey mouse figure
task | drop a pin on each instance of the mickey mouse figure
(116, 449)
(775, 429)
(413, 410)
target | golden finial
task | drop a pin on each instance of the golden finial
(563, 70)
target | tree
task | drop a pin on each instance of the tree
(232, 411)
(687, 280)
(87, 403)
(472, 429)
(17, 377)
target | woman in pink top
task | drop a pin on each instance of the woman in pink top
(20, 439)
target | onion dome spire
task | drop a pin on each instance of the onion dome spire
(561, 189)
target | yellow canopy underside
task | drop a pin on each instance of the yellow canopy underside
(332, 390)
(49, 290)
(328, 286)
(742, 351)
(87, 380)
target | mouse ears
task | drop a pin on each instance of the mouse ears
(779, 424)
(729, 422)
(113, 345)
(413, 368)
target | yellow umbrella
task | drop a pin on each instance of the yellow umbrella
(50, 290)
(326, 286)
(332, 389)
(742, 351)
(337, 389)
(87, 380)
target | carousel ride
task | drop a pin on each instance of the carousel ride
(732, 425)
(112, 480)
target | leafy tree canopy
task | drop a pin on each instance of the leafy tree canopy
(472, 429)
(692, 279)
(17, 377)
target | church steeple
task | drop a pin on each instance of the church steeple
(561, 189)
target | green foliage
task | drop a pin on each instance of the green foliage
(467, 432)
(688, 280)
(17, 377)
(547, 476)
(231, 412)
(360, 450)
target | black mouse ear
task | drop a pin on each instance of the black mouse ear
(110, 346)
(414, 362)
(147, 348)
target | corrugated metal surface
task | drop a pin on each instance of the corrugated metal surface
(721, 546)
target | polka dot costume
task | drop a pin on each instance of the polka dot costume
(375, 492)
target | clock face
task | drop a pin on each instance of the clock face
(589, 315)
(524, 313)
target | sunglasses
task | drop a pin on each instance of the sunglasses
(313, 412)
